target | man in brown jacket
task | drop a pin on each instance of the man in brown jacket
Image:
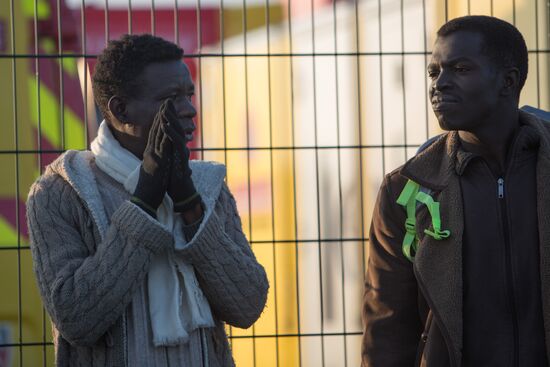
(466, 283)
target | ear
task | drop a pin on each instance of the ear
(510, 81)
(118, 109)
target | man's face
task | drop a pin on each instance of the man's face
(464, 89)
(158, 82)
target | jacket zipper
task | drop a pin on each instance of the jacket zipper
(509, 278)
(125, 340)
(424, 339)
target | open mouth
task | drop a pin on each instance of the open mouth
(186, 128)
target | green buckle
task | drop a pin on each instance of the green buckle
(438, 234)
(410, 226)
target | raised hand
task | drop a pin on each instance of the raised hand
(154, 175)
(180, 188)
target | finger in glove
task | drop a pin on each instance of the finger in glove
(153, 134)
(177, 139)
(171, 116)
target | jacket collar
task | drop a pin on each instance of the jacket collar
(433, 167)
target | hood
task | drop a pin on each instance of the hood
(75, 168)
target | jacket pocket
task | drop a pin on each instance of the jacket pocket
(423, 339)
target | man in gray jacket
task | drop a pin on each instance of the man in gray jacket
(139, 252)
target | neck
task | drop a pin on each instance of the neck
(131, 143)
(493, 138)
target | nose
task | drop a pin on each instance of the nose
(184, 107)
(441, 82)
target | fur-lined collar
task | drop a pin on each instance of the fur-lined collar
(433, 167)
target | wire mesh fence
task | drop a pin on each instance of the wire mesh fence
(308, 103)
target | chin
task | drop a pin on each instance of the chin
(448, 123)
(445, 124)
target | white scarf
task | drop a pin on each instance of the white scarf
(177, 305)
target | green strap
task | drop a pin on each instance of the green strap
(409, 196)
(409, 192)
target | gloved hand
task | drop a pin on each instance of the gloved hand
(180, 188)
(154, 175)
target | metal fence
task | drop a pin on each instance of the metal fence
(308, 103)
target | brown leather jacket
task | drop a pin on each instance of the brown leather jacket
(412, 312)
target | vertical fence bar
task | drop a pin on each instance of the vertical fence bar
(39, 143)
(317, 183)
(153, 19)
(16, 137)
(403, 83)
(424, 26)
(61, 77)
(547, 35)
(381, 71)
(199, 49)
(85, 72)
(130, 25)
(514, 11)
(339, 167)
(295, 208)
(537, 53)
(245, 35)
(176, 23)
(360, 133)
(106, 22)
(37, 79)
(273, 244)
(222, 37)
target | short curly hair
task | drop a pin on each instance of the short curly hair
(123, 60)
(503, 42)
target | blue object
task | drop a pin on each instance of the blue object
(545, 115)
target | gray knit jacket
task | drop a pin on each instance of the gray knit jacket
(89, 265)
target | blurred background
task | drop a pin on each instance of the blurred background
(307, 102)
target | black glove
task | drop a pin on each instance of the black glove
(180, 188)
(154, 175)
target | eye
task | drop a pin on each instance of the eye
(461, 69)
(432, 74)
(174, 97)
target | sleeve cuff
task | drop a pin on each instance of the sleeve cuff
(189, 230)
(141, 227)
